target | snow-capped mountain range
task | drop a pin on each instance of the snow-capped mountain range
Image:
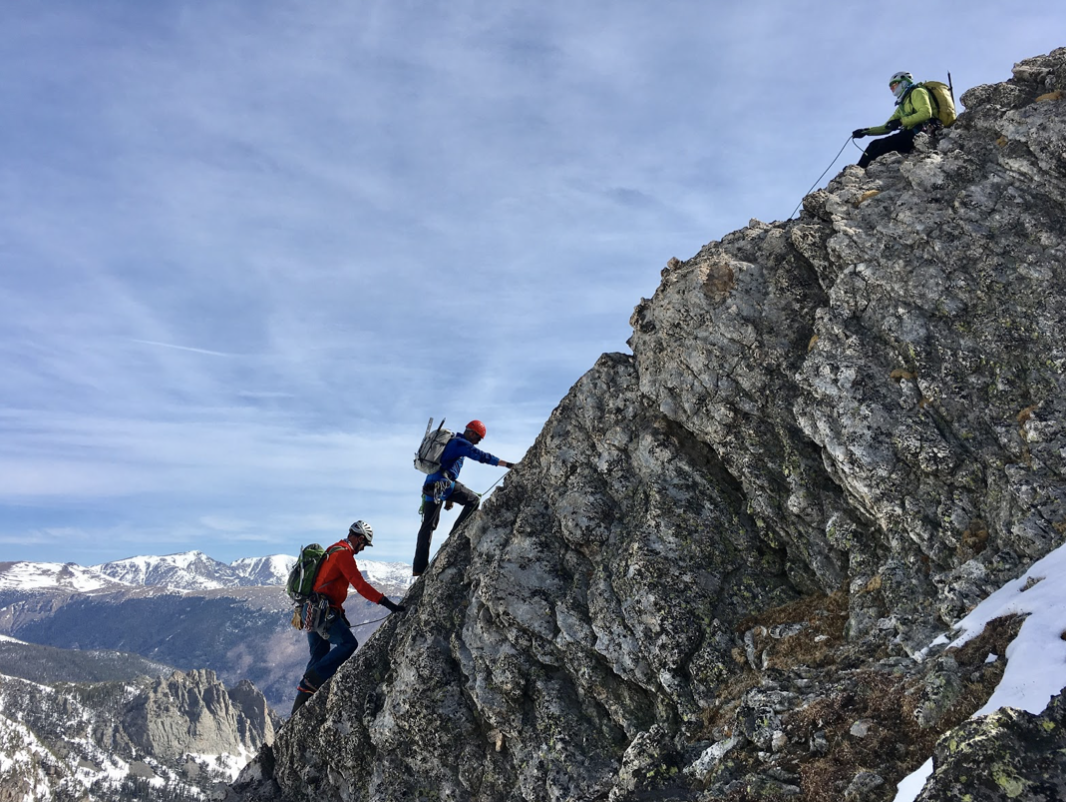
(190, 570)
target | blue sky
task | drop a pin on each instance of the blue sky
(248, 248)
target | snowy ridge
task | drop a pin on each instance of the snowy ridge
(54, 576)
(272, 570)
(190, 570)
(379, 573)
(86, 767)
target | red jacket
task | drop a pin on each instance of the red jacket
(338, 571)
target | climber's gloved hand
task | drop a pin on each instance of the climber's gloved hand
(391, 606)
(893, 125)
(859, 133)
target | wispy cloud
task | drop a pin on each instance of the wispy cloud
(184, 348)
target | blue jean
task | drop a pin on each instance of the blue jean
(324, 660)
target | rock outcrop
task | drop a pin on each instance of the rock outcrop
(710, 575)
(178, 736)
(192, 712)
(1010, 754)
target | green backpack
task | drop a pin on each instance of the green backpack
(943, 101)
(301, 582)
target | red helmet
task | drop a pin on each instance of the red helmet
(478, 427)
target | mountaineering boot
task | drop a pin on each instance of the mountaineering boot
(301, 699)
(311, 680)
(306, 689)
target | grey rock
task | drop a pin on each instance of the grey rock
(862, 728)
(862, 785)
(778, 741)
(941, 688)
(709, 759)
(192, 712)
(818, 743)
(650, 762)
(1010, 754)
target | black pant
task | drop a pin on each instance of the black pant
(461, 494)
(900, 142)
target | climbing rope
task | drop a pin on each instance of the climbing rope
(364, 623)
(480, 495)
(827, 169)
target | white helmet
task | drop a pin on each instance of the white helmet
(362, 528)
(900, 83)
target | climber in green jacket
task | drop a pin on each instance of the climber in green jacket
(914, 113)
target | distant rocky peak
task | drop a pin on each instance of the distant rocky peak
(271, 570)
(185, 730)
(191, 711)
(192, 570)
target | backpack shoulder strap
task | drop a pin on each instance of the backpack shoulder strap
(331, 550)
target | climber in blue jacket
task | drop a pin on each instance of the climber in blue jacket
(442, 488)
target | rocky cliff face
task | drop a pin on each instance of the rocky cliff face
(193, 712)
(709, 576)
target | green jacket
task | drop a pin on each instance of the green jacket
(915, 109)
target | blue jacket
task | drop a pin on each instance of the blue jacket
(452, 458)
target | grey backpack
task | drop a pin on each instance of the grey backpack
(427, 458)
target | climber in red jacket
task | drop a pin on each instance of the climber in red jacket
(337, 572)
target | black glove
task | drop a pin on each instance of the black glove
(893, 125)
(859, 133)
(391, 606)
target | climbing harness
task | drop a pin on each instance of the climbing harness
(827, 169)
(439, 496)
